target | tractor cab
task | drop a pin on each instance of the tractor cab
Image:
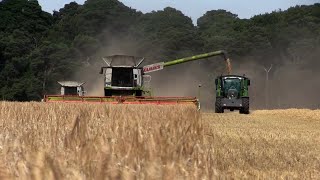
(232, 87)
(72, 88)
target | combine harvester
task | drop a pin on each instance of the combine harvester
(128, 84)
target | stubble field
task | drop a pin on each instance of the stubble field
(82, 141)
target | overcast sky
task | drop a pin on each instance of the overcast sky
(196, 8)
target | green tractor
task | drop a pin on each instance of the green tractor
(232, 93)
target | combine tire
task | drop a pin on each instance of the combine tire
(107, 92)
(218, 105)
(245, 106)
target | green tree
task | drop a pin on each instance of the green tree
(168, 33)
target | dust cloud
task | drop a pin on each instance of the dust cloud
(289, 86)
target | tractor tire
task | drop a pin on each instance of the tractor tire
(218, 105)
(245, 106)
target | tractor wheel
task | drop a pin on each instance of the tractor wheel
(218, 105)
(245, 106)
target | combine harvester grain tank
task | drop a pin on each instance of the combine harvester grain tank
(128, 84)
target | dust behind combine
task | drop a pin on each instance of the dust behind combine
(99, 141)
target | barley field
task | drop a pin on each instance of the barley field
(273, 144)
(95, 141)
(98, 141)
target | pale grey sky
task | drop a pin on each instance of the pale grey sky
(196, 8)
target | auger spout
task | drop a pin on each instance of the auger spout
(202, 56)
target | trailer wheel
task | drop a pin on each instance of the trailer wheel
(218, 105)
(245, 106)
